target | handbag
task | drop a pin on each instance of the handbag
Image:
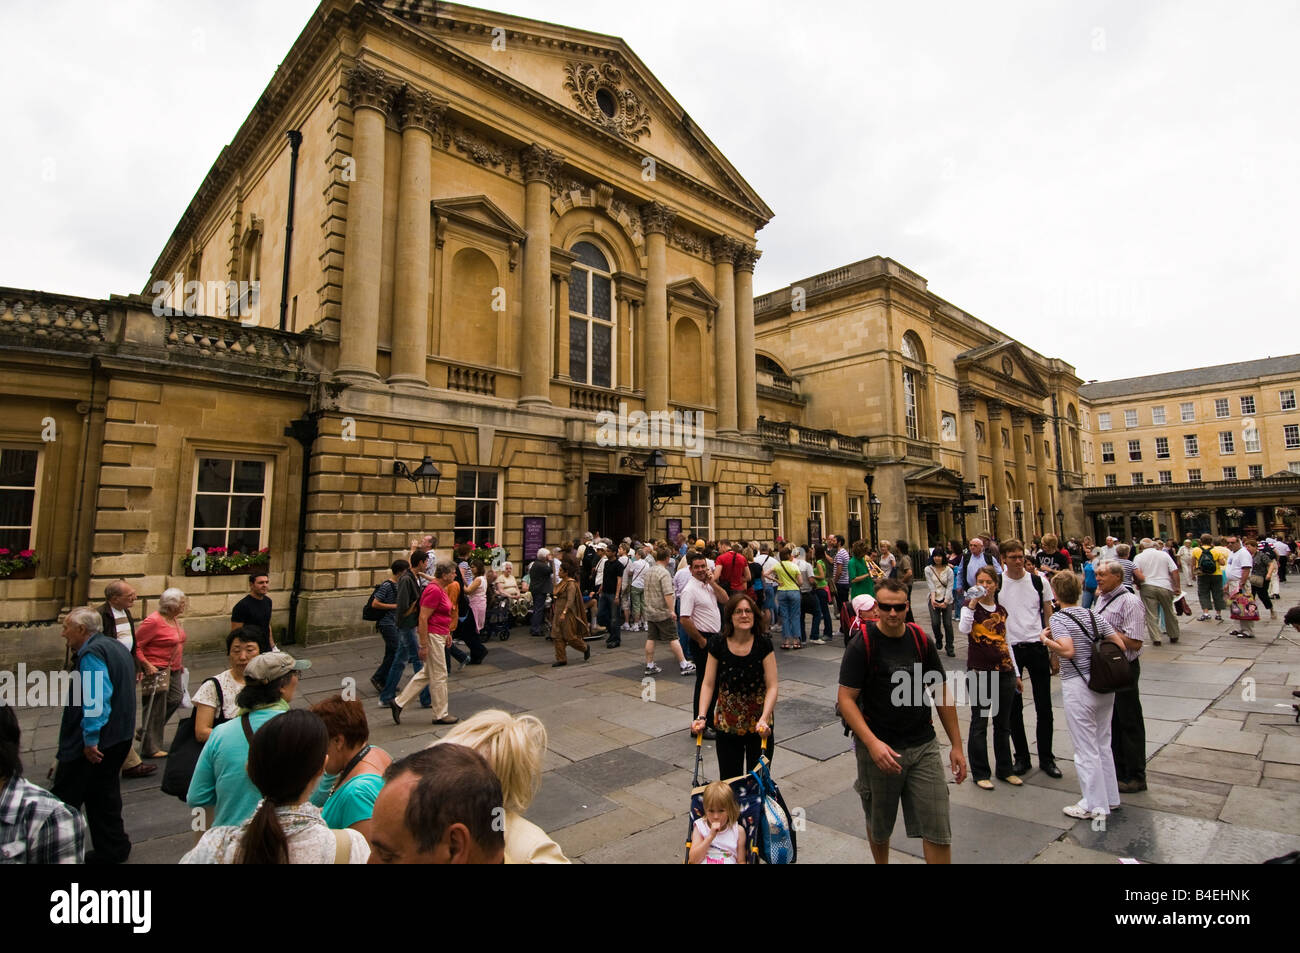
(186, 702)
(156, 684)
(183, 755)
(1110, 669)
(1256, 581)
(1243, 608)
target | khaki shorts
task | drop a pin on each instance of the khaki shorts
(922, 787)
(661, 630)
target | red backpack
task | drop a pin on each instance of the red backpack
(858, 630)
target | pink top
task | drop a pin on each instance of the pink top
(435, 597)
(159, 642)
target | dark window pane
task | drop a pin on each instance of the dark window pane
(600, 290)
(14, 540)
(244, 540)
(465, 483)
(578, 349)
(601, 356)
(209, 539)
(246, 511)
(210, 511)
(214, 475)
(18, 468)
(464, 514)
(485, 514)
(487, 484)
(16, 508)
(589, 254)
(484, 536)
(249, 476)
(578, 291)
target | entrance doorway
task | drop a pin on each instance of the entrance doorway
(613, 508)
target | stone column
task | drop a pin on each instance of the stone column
(539, 166)
(1041, 472)
(724, 286)
(657, 220)
(624, 342)
(636, 308)
(998, 483)
(420, 116)
(969, 441)
(746, 372)
(1018, 417)
(371, 95)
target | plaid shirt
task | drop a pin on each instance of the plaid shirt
(37, 828)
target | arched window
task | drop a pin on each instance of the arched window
(913, 354)
(591, 318)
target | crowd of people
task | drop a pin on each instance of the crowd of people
(281, 784)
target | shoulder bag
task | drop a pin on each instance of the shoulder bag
(184, 752)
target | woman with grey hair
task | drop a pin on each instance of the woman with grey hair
(159, 643)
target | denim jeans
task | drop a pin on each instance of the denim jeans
(408, 650)
(607, 614)
(787, 604)
(388, 632)
(821, 614)
(683, 639)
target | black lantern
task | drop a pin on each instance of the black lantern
(1060, 523)
(993, 520)
(426, 476)
(654, 464)
(1040, 515)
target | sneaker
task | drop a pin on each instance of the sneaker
(1077, 811)
(653, 669)
(1245, 635)
(1203, 617)
(645, 627)
(688, 668)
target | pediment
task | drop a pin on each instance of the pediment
(480, 213)
(691, 291)
(595, 79)
(1003, 362)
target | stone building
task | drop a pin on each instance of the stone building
(1213, 449)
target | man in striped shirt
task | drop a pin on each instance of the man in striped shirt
(841, 574)
(1126, 614)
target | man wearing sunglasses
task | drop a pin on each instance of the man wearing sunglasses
(882, 700)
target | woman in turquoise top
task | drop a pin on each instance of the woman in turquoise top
(354, 769)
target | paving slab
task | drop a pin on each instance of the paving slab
(161, 850)
(1154, 686)
(1282, 748)
(1242, 742)
(678, 748)
(533, 692)
(561, 803)
(1266, 810)
(613, 770)
(663, 843)
(1181, 800)
(822, 744)
(1152, 837)
(982, 837)
(1027, 802)
(469, 702)
(1066, 852)
(612, 826)
(1169, 708)
(1243, 845)
(1210, 765)
(653, 719)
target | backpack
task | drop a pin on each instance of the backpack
(1207, 565)
(857, 629)
(369, 613)
(1110, 670)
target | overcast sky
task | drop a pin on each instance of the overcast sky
(1115, 184)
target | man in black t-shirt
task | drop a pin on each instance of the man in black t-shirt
(255, 608)
(882, 699)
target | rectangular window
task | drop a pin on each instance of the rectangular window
(1134, 450)
(855, 519)
(1130, 418)
(1226, 442)
(1158, 414)
(817, 511)
(1250, 439)
(231, 503)
(702, 511)
(1291, 432)
(1107, 452)
(1110, 479)
(909, 403)
(1165, 476)
(1255, 471)
(18, 481)
(1194, 476)
(591, 320)
(1187, 410)
(1103, 421)
(478, 501)
(1221, 407)
(1136, 479)
(1230, 473)
(1162, 448)
(1287, 399)
(1191, 446)
(1294, 466)
(1248, 406)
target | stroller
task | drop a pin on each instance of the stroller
(496, 624)
(769, 836)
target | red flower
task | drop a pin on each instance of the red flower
(4, 552)
(27, 553)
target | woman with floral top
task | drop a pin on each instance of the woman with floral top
(993, 680)
(286, 761)
(742, 667)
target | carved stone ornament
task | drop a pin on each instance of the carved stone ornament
(368, 86)
(657, 217)
(539, 164)
(600, 95)
(747, 257)
(419, 108)
(480, 149)
(724, 248)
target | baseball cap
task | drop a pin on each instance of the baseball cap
(267, 668)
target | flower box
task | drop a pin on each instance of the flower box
(20, 565)
(27, 572)
(219, 562)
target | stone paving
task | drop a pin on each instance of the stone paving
(1222, 744)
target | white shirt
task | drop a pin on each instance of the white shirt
(1156, 566)
(767, 566)
(680, 579)
(805, 574)
(701, 604)
(1017, 596)
(1238, 561)
(638, 570)
(123, 633)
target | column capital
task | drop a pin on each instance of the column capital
(724, 249)
(746, 257)
(657, 218)
(539, 164)
(1018, 417)
(418, 109)
(369, 87)
(1039, 423)
(995, 408)
(966, 397)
